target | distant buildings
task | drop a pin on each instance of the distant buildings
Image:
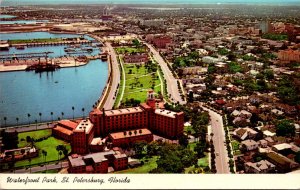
(265, 26)
(136, 58)
(152, 22)
(289, 55)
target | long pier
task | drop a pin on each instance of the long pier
(53, 43)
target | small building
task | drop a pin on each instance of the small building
(262, 166)
(130, 137)
(97, 162)
(245, 133)
(249, 145)
(282, 163)
(136, 58)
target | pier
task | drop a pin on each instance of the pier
(73, 42)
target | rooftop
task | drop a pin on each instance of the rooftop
(166, 113)
(125, 134)
(123, 111)
(68, 123)
(84, 125)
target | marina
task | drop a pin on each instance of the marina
(47, 65)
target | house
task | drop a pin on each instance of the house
(282, 163)
(263, 143)
(262, 166)
(249, 145)
(245, 133)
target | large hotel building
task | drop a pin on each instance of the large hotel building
(159, 121)
(121, 126)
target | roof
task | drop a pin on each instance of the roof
(269, 133)
(84, 125)
(249, 142)
(68, 124)
(121, 135)
(280, 159)
(166, 113)
(261, 165)
(123, 111)
(76, 161)
(63, 130)
(282, 146)
(97, 141)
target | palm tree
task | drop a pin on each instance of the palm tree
(5, 121)
(73, 108)
(51, 113)
(140, 131)
(40, 114)
(130, 133)
(35, 124)
(29, 160)
(28, 115)
(82, 112)
(62, 115)
(60, 153)
(17, 119)
(135, 132)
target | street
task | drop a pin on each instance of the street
(43, 168)
(109, 103)
(217, 129)
(171, 81)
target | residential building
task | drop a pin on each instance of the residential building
(97, 162)
(262, 166)
(249, 145)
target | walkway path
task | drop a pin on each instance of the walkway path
(171, 81)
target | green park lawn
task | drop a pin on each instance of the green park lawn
(33, 134)
(203, 162)
(122, 50)
(48, 145)
(138, 82)
(146, 168)
(235, 145)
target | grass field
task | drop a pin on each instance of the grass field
(146, 168)
(235, 145)
(42, 40)
(122, 50)
(33, 134)
(50, 146)
(203, 162)
(138, 82)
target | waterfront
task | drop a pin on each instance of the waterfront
(27, 92)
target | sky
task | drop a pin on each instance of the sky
(39, 2)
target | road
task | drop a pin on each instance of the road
(43, 168)
(171, 81)
(109, 103)
(217, 129)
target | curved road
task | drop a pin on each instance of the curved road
(171, 81)
(217, 129)
(109, 103)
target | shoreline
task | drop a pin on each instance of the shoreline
(15, 68)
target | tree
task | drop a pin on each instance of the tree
(17, 119)
(73, 108)
(139, 148)
(82, 112)
(28, 115)
(62, 115)
(51, 113)
(40, 114)
(183, 140)
(285, 128)
(200, 148)
(297, 157)
(36, 124)
(5, 118)
(136, 42)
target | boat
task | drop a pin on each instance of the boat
(20, 47)
(38, 68)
